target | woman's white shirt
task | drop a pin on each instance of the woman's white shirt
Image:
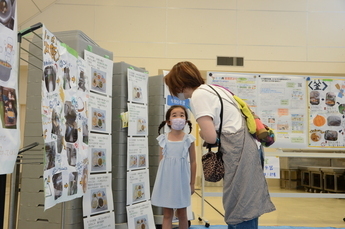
(205, 102)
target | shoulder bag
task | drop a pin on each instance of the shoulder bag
(212, 163)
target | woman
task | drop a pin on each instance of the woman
(245, 191)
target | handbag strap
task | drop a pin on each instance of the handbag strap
(221, 117)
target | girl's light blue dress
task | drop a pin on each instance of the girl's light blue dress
(172, 185)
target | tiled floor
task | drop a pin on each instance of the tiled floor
(307, 212)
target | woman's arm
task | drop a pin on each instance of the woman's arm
(207, 129)
(192, 160)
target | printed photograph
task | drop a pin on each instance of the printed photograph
(73, 183)
(58, 185)
(49, 78)
(141, 222)
(8, 107)
(138, 192)
(98, 80)
(50, 154)
(98, 200)
(98, 119)
(98, 158)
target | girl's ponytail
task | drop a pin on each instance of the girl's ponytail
(160, 127)
(190, 126)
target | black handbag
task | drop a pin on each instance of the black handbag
(212, 163)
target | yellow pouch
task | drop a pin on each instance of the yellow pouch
(247, 113)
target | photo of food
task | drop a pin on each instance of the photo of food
(341, 108)
(8, 107)
(282, 126)
(314, 98)
(7, 13)
(333, 120)
(98, 119)
(49, 77)
(331, 135)
(98, 80)
(58, 186)
(133, 161)
(142, 160)
(6, 64)
(141, 222)
(98, 200)
(319, 120)
(138, 192)
(137, 93)
(98, 159)
(141, 126)
(330, 98)
(315, 137)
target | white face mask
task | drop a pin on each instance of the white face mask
(181, 96)
(178, 123)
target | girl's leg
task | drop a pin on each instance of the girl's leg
(251, 224)
(182, 218)
(167, 218)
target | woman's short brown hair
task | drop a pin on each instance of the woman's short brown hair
(183, 75)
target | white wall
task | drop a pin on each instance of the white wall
(294, 36)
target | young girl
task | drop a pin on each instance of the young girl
(175, 178)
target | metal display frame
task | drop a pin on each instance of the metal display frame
(30, 214)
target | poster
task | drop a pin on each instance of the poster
(286, 113)
(137, 86)
(99, 196)
(272, 167)
(100, 113)
(137, 153)
(137, 120)
(64, 122)
(98, 202)
(138, 186)
(100, 108)
(9, 104)
(101, 73)
(103, 221)
(241, 84)
(140, 216)
(279, 101)
(100, 153)
(326, 103)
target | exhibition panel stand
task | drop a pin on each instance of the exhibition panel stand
(31, 213)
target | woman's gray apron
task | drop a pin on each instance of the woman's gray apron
(245, 191)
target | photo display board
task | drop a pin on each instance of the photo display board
(9, 103)
(326, 103)
(64, 122)
(305, 112)
(139, 209)
(98, 205)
